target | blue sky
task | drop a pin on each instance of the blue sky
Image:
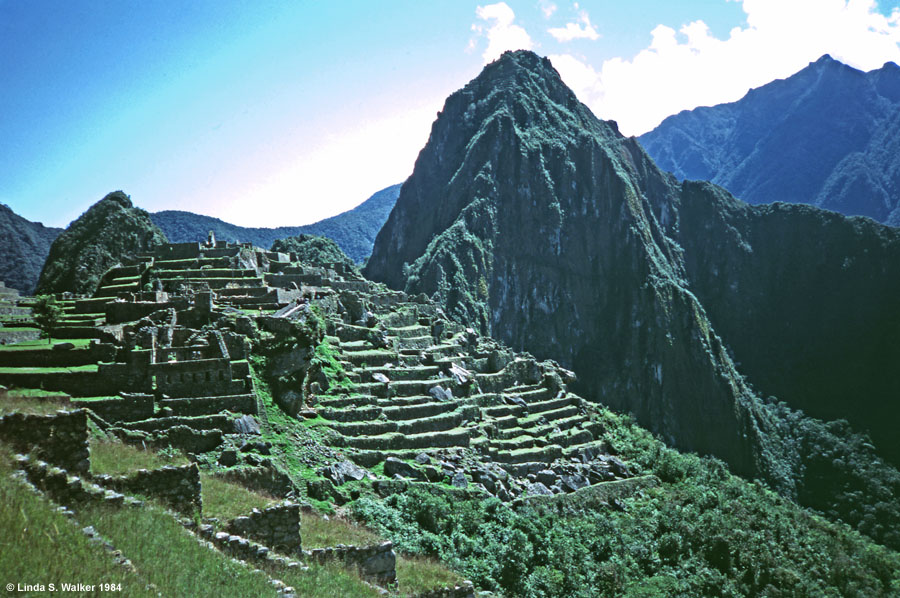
(271, 113)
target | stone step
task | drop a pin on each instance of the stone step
(397, 441)
(348, 333)
(546, 454)
(551, 405)
(571, 438)
(437, 423)
(420, 372)
(356, 346)
(244, 292)
(405, 412)
(401, 401)
(523, 441)
(531, 396)
(357, 414)
(562, 424)
(407, 332)
(499, 411)
(505, 422)
(413, 343)
(408, 388)
(243, 403)
(369, 357)
(548, 418)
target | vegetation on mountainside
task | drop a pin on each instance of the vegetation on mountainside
(314, 249)
(24, 248)
(827, 136)
(96, 241)
(354, 231)
(703, 532)
(529, 218)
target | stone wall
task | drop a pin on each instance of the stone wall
(66, 489)
(60, 439)
(50, 357)
(277, 527)
(376, 563)
(176, 487)
(129, 407)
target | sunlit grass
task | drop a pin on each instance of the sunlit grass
(319, 532)
(226, 500)
(40, 545)
(171, 558)
(417, 574)
(116, 458)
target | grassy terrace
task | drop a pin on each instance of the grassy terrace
(169, 557)
(39, 402)
(50, 370)
(226, 500)
(115, 458)
(32, 534)
(43, 344)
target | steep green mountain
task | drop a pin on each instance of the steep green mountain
(23, 250)
(354, 231)
(530, 218)
(94, 242)
(826, 136)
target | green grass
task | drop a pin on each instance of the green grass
(318, 532)
(325, 581)
(51, 370)
(226, 500)
(43, 345)
(169, 557)
(11, 403)
(39, 545)
(417, 574)
(115, 458)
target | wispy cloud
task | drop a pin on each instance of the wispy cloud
(501, 31)
(576, 30)
(547, 8)
(691, 67)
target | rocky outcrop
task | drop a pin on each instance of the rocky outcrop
(111, 229)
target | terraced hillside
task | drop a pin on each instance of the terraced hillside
(240, 395)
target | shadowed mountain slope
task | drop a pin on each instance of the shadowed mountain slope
(826, 136)
(23, 250)
(530, 218)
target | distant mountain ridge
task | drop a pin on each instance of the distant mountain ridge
(354, 230)
(828, 136)
(23, 250)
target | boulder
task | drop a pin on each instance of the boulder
(246, 424)
(339, 473)
(395, 467)
(459, 480)
(439, 393)
(538, 489)
(571, 483)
